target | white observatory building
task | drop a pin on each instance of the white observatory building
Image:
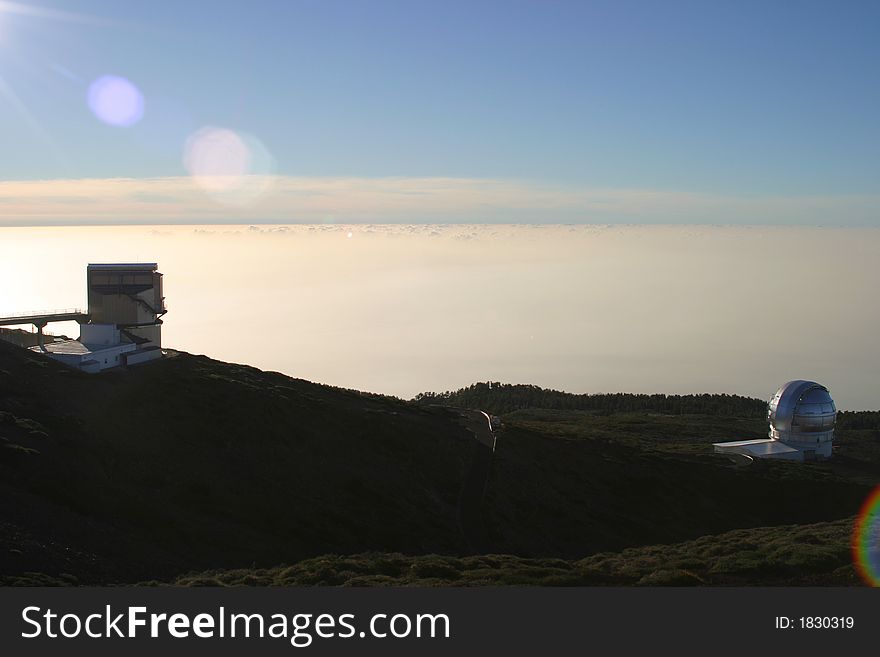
(122, 325)
(802, 416)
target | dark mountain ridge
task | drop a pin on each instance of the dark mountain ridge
(192, 461)
(190, 464)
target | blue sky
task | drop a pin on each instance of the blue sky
(724, 102)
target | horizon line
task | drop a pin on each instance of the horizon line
(295, 200)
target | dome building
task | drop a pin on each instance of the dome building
(801, 416)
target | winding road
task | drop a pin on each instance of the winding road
(474, 485)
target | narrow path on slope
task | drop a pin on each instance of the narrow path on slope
(473, 487)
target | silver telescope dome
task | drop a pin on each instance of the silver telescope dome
(802, 414)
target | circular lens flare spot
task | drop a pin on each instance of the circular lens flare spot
(231, 167)
(216, 158)
(116, 101)
(866, 540)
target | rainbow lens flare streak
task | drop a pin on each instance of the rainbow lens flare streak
(866, 540)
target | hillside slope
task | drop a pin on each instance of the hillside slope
(584, 484)
(790, 555)
(190, 464)
(191, 461)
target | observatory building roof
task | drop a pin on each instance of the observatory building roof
(67, 347)
(807, 401)
(763, 447)
(147, 266)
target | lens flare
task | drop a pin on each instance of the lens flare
(116, 101)
(216, 157)
(231, 167)
(866, 540)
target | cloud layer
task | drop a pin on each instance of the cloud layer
(289, 199)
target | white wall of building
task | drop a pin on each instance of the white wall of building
(97, 360)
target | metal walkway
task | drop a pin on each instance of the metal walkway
(41, 318)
